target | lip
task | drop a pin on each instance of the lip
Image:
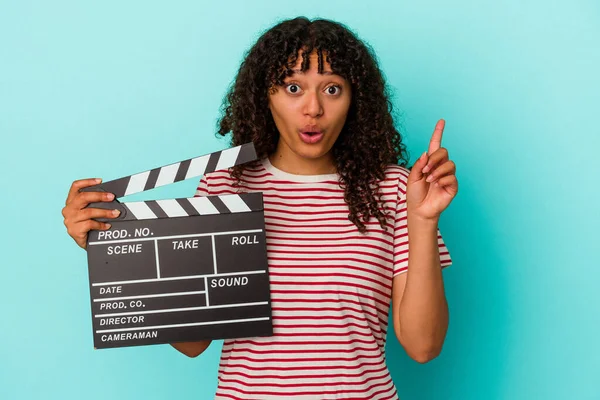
(316, 134)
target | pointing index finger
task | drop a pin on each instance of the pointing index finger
(436, 139)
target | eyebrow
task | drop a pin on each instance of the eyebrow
(298, 71)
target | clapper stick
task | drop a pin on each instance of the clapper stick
(172, 173)
(179, 171)
(176, 172)
(178, 270)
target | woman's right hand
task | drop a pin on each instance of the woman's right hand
(79, 219)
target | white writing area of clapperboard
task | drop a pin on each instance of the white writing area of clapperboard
(182, 269)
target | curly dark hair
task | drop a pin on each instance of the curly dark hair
(368, 141)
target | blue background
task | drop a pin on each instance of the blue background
(112, 88)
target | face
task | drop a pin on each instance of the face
(309, 111)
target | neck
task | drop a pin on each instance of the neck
(292, 163)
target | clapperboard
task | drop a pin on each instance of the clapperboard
(183, 269)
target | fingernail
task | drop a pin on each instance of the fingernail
(110, 196)
(116, 212)
(426, 169)
(98, 180)
(107, 226)
(429, 178)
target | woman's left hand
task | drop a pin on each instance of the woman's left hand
(428, 194)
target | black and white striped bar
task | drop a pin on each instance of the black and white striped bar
(179, 171)
(205, 205)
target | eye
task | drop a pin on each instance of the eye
(334, 90)
(292, 88)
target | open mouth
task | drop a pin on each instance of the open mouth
(311, 137)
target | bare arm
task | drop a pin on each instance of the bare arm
(420, 310)
(192, 349)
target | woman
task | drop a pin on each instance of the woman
(341, 212)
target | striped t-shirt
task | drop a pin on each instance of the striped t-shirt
(331, 290)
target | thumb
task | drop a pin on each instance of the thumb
(416, 172)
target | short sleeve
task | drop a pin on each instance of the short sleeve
(202, 189)
(401, 237)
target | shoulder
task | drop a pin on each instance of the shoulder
(396, 176)
(224, 179)
(394, 170)
(250, 170)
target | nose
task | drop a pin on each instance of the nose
(313, 106)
